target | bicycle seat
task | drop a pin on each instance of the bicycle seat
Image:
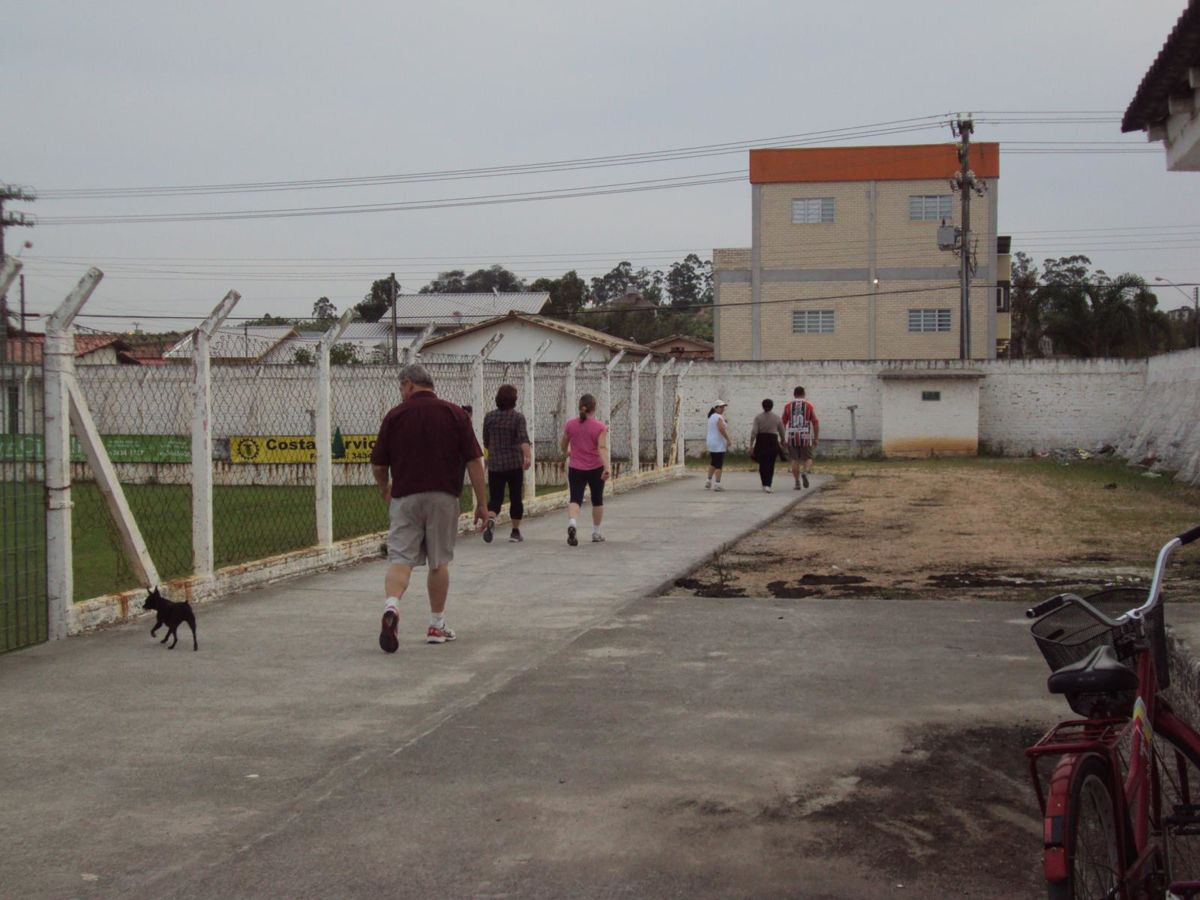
(1100, 672)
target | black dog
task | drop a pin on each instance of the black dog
(171, 614)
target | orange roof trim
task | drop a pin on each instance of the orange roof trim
(909, 162)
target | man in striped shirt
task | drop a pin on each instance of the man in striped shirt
(802, 430)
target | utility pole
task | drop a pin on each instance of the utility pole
(1195, 313)
(965, 182)
(11, 220)
(395, 337)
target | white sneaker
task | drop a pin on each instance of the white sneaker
(768, 488)
(717, 487)
(708, 485)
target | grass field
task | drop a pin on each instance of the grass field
(250, 523)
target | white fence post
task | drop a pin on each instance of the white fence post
(202, 481)
(59, 364)
(659, 376)
(570, 398)
(606, 393)
(635, 415)
(477, 384)
(530, 483)
(680, 436)
(324, 433)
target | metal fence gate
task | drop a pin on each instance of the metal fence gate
(23, 612)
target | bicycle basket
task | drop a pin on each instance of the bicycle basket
(1070, 633)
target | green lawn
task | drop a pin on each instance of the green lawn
(250, 522)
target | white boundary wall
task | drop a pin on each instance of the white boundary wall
(1025, 406)
(1166, 426)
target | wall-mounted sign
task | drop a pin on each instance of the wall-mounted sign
(298, 448)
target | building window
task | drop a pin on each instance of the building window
(931, 395)
(815, 211)
(1003, 297)
(929, 208)
(929, 320)
(812, 321)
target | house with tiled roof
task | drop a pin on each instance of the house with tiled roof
(1166, 105)
(90, 350)
(524, 333)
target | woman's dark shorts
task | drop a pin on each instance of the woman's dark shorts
(578, 479)
(717, 460)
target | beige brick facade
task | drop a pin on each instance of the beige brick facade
(870, 266)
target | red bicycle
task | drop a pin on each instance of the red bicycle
(1121, 810)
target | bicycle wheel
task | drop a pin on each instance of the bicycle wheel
(1091, 838)
(1179, 776)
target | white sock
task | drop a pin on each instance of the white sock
(571, 522)
(437, 621)
(392, 605)
(595, 529)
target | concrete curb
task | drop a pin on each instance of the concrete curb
(113, 609)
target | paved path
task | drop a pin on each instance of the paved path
(582, 738)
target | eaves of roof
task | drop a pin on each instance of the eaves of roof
(1168, 76)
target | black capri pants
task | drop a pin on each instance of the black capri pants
(514, 480)
(578, 479)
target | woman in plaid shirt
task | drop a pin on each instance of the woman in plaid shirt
(507, 443)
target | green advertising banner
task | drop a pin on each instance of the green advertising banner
(122, 448)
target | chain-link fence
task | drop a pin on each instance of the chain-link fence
(23, 618)
(264, 431)
(143, 414)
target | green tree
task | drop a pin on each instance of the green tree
(568, 295)
(323, 310)
(1086, 313)
(343, 355)
(377, 301)
(481, 281)
(689, 282)
(1026, 314)
(303, 357)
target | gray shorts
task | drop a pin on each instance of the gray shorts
(423, 528)
(802, 452)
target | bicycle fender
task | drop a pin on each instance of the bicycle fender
(1055, 865)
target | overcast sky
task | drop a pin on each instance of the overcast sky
(135, 94)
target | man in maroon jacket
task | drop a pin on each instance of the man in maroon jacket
(423, 446)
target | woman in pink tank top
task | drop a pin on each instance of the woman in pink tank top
(585, 441)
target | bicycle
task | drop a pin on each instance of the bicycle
(1121, 811)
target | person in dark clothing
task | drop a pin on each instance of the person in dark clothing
(766, 443)
(506, 440)
(424, 445)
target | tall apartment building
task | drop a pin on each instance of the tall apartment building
(844, 261)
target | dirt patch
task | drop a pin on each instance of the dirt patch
(955, 816)
(959, 529)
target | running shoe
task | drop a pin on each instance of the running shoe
(768, 489)
(597, 537)
(388, 639)
(796, 486)
(571, 539)
(717, 487)
(805, 479)
(708, 485)
(488, 529)
(437, 635)
(515, 537)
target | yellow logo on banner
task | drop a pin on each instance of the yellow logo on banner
(298, 448)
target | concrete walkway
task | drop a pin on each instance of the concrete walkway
(574, 741)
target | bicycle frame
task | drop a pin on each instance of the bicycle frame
(1137, 799)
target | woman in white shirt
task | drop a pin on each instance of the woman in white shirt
(717, 440)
